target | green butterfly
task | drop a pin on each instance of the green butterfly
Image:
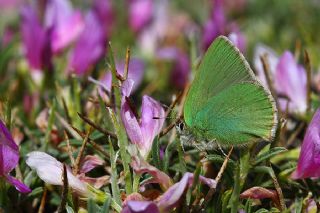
(226, 103)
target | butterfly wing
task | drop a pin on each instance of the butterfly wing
(240, 114)
(226, 101)
(222, 66)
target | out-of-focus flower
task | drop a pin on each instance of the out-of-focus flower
(181, 64)
(50, 171)
(273, 60)
(89, 47)
(149, 38)
(135, 73)
(142, 131)
(140, 14)
(104, 11)
(9, 158)
(217, 24)
(289, 78)
(309, 159)
(10, 4)
(36, 40)
(66, 23)
(261, 193)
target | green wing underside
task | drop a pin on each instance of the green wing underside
(223, 77)
(241, 114)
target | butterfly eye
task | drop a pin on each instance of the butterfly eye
(181, 126)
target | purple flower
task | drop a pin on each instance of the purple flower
(181, 65)
(50, 171)
(258, 192)
(135, 73)
(89, 47)
(169, 200)
(142, 131)
(65, 22)
(140, 14)
(273, 60)
(104, 11)
(36, 40)
(9, 158)
(291, 80)
(309, 159)
(215, 26)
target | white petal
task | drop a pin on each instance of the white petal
(50, 171)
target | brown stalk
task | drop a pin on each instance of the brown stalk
(92, 124)
(307, 64)
(64, 193)
(43, 200)
(126, 66)
(79, 157)
(267, 73)
(217, 179)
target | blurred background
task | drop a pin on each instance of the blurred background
(46, 42)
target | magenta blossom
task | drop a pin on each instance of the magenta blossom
(141, 131)
(36, 40)
(89, 47)
(309, 159)
(169, 200)
(180, 67)
(104, 11)
(217, 24)
(9, 158)
(65, 22)
(291, 81)
(289, 78)
(135, 72)
(140, 14)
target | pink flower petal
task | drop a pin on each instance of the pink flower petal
(9, 151)
(36, 40)
(89, 47)
(140, 166)
(140, 14)
(291, 80)
(18, 185)
(309, 159)
(172, 196)
(152, 120)
(259, 193)
(90, 162)
(140, 207)
(67, 24)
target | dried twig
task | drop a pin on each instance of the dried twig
(308, 72)
(64, 194)
(79, 157)
(217, 179)
(43, 200)
(100, 129)
(267, 73)
(126, 66)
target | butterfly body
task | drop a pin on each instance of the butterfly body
(226, 103)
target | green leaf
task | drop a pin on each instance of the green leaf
(269, 154)
(106, 206)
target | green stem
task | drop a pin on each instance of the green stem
(234, 200)
(123, 144)
(136, 181)
(3, 193)
(114, 176)
(50, 124)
